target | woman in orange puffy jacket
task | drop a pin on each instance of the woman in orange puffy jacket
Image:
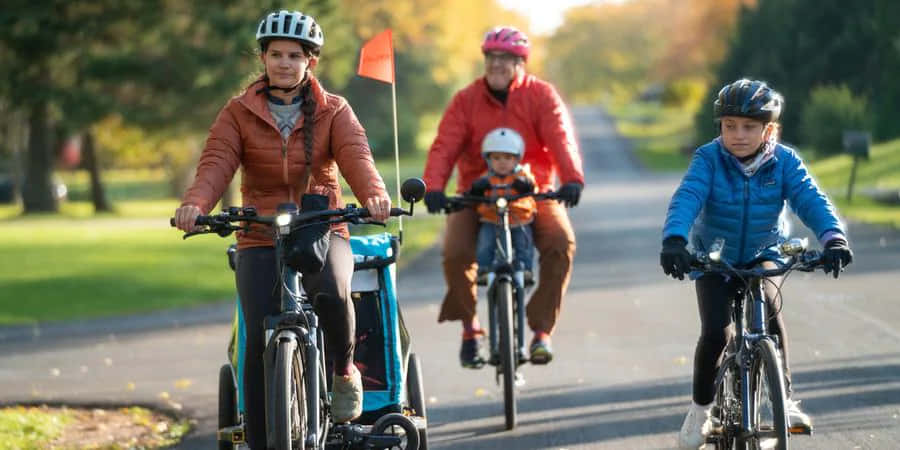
(506, 97)
(291, 137)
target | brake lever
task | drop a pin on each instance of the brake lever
(195, 233)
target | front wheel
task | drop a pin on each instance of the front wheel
(503, 301)
(767, 394)
(289, 402)
(726, 409)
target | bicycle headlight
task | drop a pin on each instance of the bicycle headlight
(283, 220)
(501, 202)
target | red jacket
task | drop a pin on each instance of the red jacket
(533, 108)
(245, 135)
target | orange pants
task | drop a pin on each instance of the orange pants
(555, 242)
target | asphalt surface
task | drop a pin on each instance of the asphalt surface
(624, 346)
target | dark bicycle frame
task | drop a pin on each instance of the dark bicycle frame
(503, 270)
(297, 320)
(752, 329)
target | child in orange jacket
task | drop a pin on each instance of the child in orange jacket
(502, 148)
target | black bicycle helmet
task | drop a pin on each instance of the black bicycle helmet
(749, 98)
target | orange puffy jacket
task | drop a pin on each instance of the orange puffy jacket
(533, 108)
(244, 134)
(521, 211)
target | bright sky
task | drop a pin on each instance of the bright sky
(544, 15)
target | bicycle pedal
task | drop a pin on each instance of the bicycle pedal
(804, 430)
(234, 434)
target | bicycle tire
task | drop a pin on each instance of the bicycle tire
(767, 368)
(289, 398)
(416, 392)
(228, 414)
(503, 300)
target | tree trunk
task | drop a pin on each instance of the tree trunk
(91, 163)
(37, 190)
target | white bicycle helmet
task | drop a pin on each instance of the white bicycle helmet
(503, 140)
(293, 25)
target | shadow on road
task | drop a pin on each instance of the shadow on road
(837, 397)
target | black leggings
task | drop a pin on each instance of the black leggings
(714, 299)
(257, 283)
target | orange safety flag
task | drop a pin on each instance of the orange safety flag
(376, 59)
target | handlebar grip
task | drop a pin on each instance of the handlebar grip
(363, 212)
(201, 220)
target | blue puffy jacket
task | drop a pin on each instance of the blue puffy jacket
(747, 211)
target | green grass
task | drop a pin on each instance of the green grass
(79, 265)
(30, 428)
(661, 136)
(881, 171)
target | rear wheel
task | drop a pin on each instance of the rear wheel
(416, 392)
(503, 300)
(397, 426)
(767, 394)
(289, 398)
(228, 415)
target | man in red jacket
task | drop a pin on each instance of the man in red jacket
(506, 97)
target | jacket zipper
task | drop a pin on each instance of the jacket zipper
(284, 170)
(744, 219)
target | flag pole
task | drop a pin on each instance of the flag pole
(396, 143)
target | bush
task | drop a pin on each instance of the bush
(687, 93)
(830, 111)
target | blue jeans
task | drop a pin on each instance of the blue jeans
(522, 243)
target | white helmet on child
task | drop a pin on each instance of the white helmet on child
(503, 140)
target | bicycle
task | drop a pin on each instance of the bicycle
(749, 411)
(506, 300)
(297, 401)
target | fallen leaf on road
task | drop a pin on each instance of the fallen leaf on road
(55, 372)
(681, 360)
(107, 361)
(183, 383)
(480, 392)
(130, 386)
(164, 395)
(432, 399)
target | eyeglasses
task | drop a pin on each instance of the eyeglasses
(501, 57)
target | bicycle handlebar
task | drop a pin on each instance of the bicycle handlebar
(460, 202)
(222, 223)
(799, 259)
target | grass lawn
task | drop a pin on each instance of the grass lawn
(76, 265)
(881, 171)
(661, 136)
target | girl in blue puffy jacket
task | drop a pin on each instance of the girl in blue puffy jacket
(736, 188)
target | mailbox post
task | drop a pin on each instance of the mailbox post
(857, 144)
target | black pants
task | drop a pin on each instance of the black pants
(257, 283)
(714, 299)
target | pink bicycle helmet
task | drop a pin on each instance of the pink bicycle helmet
(506, 39)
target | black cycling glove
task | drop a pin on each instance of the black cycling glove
(569, 194)
(837, 255)
(674, 258)
(435, 201)
(480, 186)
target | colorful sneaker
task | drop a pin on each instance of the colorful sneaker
(541, 350)
(346, 402)
(471, 353)
(696, 427)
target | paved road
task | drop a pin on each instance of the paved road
(621, 379)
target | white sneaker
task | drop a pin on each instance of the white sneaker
(696, 427)
(796, 417)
